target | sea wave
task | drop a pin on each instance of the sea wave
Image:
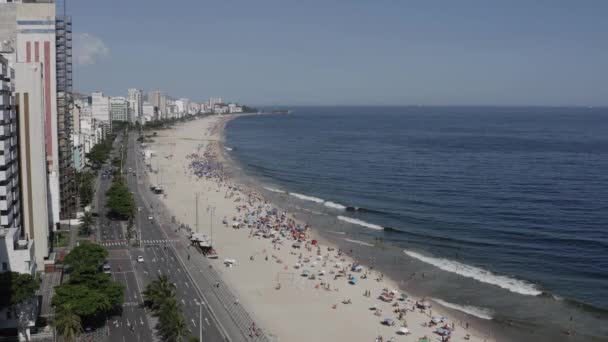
(359, 242)
(360, 222)
(513, 285)
(306, 198)
(335, 232)
(334, 205)
(228, 148)
(482, 313)
(274, 190)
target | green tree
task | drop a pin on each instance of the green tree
(16, 288)
(87, 303)
(157, 291)
(86, 222)
(67, 323)
(86, 192)
(87, 254)
(193, 338)
(120, 200)
(171, 325)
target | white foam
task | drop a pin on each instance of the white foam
(513, 285)
(469, 309)
(312, 211)
(306, 198)
(228, 148)
(334, 205)
(341, 233)
(359, 242)
(274, 190)
(359, 222)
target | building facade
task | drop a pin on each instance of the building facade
(100, 107)
(118, 108)
(29, 88)
(135, 98)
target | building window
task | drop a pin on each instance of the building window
(8, 314)
(4, 266)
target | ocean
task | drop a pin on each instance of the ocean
(497, 212)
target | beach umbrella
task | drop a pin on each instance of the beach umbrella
(404, 331)
(436, 320)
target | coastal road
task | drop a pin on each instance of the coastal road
(160, 257)
(132, 324)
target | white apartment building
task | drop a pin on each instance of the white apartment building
(100, 107)
(29, 89)
(135, 98)
(234, 108)
(29, 28)
(214, 101)
(118, 108)
(182, 106)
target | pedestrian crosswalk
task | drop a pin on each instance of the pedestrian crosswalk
(157, 242)
(114, 243)
(145, 242)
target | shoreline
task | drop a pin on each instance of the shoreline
(267, 311)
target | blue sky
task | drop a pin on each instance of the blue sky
(309, 52)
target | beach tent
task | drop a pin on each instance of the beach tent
(443, 332)
(404, 331)
(437, 320)
(423, 304)
(353, 281)
(388, 321)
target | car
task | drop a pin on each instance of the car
(138, 208)
(106, 268)
(140, 258)
(150, 217)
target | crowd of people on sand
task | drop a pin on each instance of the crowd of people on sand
(333, 267)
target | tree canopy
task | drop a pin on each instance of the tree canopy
(87, 254)
(120, 200)
(100, 152)
(16, 288)
(89, 293)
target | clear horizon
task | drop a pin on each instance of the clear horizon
(513, 53)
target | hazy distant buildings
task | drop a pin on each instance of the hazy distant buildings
(136, 102)
(100, 107)
(118, 108)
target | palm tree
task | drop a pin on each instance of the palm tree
(157, 292)
(86, 221)
(67, 323)
(171, 324)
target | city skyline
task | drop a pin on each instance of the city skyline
(320, 53)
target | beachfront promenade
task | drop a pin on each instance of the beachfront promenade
(223, 318)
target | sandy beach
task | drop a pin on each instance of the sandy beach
(267, 273)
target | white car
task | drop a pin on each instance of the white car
(150, 217)
(138, 208)
(140, 259)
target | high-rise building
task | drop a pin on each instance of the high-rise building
(136, 103)
(29, 88)
(67, 173)
(100, 107)
(118, 108)
(182, 106)
(10, 207)
(214, 101)
(29, 26)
